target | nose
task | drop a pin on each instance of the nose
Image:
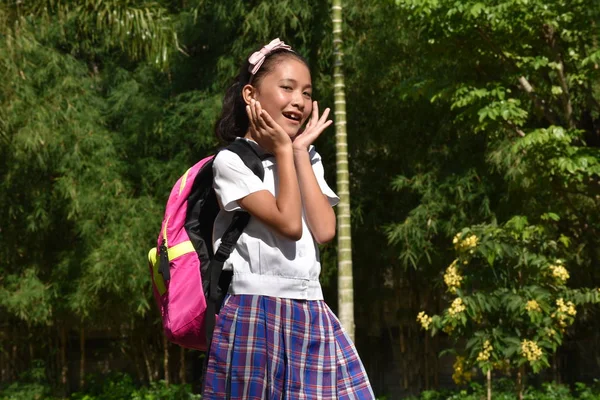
(298, 100)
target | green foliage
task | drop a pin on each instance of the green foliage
(510, 76)
(141, 29)
(112, 387)
(504, 390)
(121, 386)
(512, 304)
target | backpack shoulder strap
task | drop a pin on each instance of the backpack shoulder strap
(219, 284)
(249, 156)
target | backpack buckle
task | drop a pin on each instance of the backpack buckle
(223, 252)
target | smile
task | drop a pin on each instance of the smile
(292, 116)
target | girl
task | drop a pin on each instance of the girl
(275, 337)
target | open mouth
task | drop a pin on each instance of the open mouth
(293, 116)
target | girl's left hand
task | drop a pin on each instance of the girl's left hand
(313, 129)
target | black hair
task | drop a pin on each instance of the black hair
(233, 121)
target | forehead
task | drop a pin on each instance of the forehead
(290, 68)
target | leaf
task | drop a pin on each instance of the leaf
(476, 9)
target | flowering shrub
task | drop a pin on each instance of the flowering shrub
(508, 297)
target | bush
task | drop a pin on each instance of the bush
(504, 390)
(117, 386)
(121, 386)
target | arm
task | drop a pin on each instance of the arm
(282, 213)
(320, 217)
(319, 213)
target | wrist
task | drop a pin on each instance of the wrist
(282, 151)
(298, 149)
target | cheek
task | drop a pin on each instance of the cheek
(308, 109)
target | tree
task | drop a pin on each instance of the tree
(345, 281)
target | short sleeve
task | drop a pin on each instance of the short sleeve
(233, 180)
(317, 165)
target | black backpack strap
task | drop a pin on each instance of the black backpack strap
(218, 286)
(249, 156)
(219, 283)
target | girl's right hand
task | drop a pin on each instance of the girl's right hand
(265, 131)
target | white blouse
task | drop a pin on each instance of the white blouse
(264, 262)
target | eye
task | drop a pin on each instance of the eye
(308, 95)
(286, 87)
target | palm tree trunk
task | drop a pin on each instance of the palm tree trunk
(345, 282)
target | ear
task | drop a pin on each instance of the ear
(248, 93)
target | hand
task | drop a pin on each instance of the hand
(313, 129)
(265, 131)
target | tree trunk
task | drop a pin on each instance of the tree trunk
(426, 363)
(520, 379)
(166, 359)
(345, 281)
(139, 369)
(81, 358)
(489, 384)
(3, 365)
(182, 379)
(405, 369)
(14, 360)
(147, 364)
(64, 367)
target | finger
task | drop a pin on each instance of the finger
(269, 121)
(319, 129)
(259, 119)
(324, 116)
(315, 111)
(250, 117)
(253, 112)
(261, 116)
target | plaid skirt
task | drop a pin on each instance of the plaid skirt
(272, 348)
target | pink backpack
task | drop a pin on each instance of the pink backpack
(187, 282)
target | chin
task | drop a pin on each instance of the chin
(293, 134)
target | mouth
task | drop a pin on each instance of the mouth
(293, 116)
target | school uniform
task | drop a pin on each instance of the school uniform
(275, 337)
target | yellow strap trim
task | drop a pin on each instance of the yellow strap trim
(165, 230)
(174, 252)
(158, 279)
(183, 181)
(180, 249)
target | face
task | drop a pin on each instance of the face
(286, 94)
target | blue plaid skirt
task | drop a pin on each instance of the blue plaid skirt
(272, 348)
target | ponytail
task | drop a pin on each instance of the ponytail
(234, 120)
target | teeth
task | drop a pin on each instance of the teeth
(292, 116)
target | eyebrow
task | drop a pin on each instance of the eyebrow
(309, 86)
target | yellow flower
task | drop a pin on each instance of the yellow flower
(564, 310)
(456, 238)
(452, 278)
(457, 307)
(468, 243)
(550, 332)
(424, 320)
(559, 272)
(460, 375)
(484, 355)
(448, 329)
(533, 305)
(531, 350)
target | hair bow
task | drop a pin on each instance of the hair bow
(258, 58)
